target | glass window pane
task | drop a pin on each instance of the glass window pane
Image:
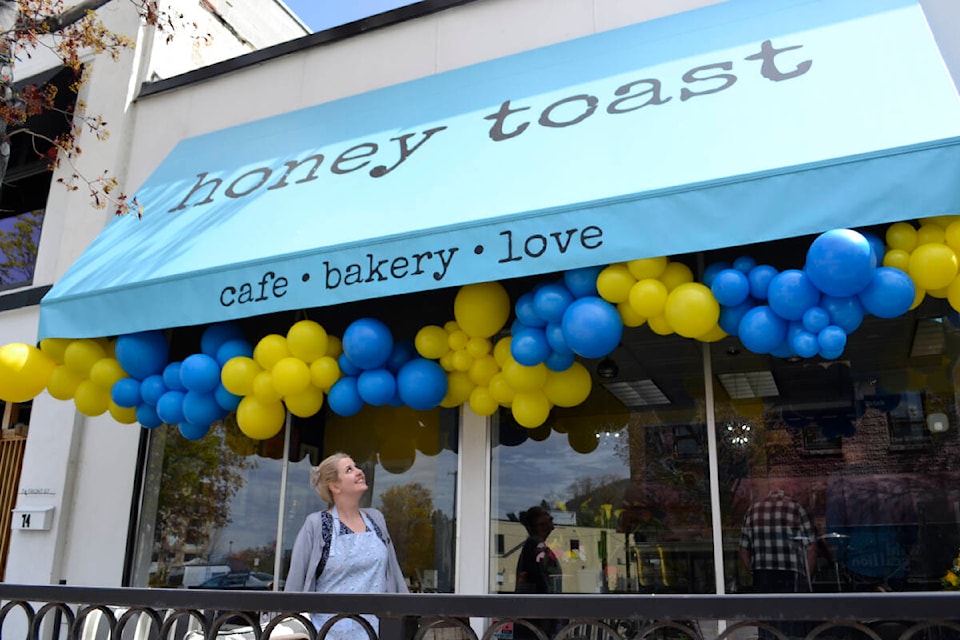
(19, 240)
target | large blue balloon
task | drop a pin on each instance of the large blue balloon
(551, 300)
(529, 346)
(890, 293)
(216, 335)
(344, 398)
(730, 316)
(201, 373)
(760, 278)
(376, 386)
(592, 327)
(192, 431)
(582, 282)
(846, 313)
(730, 287)
(761, 330)
(840, 262)
(527, 312)
(791, 293)
(422, 384)
(201, 408)
(711, 272)
(142, 354)
(171, 377)
(126, 392)
(368, 343)
(151, 389)
(170, 407)
(233, 349)
(147, 416)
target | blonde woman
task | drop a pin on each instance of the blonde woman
(343, 549)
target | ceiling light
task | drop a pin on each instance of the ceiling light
(928, 339)
(637, 393)
(751, 384)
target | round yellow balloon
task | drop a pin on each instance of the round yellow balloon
(951, 237)
(901, 235)
(628, 316)
(500, 390)
(305, 404)
(24, 371)
(55, 348)
(898, 259)
(501, 350)
(530, 408)
(106, 372)
(80, 356)
(91, 399)
(458, 340)
(953, 294)
(461, 360)
(614, 283)
(291, 376)
(918, 297)
(940, 293)
(482, 309)
(933, 266)
(446, 362)
(307, 340)
(334, 346)
(713, 335)
(648, 297)
(264, 389)
(123, 415)
(583, 440)
(568, 388)
(324, 372)
(660, 325)
(63, 382)
(459, 388)
(483, 369)
(432, 342)
(692, 310)
(482, 403)
(260, 420)
(270, 350)
(523, 378)
(238, 374)
(930, 233)
(675, 275)
(647, 267)
(479, 347)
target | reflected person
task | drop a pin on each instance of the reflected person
(343, 549)
(538, 569)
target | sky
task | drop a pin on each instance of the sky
(326, 14)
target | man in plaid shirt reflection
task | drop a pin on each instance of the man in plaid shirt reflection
(777, 543)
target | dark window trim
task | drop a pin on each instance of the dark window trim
(349, 30)
(27, 298)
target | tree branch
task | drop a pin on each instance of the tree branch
(74, 14)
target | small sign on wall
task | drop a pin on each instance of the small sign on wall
(33, 519)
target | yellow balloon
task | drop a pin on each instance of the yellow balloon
(446, 362)
(500, 389)
(461, 360)
(933, 266)
(264, 389)
(713, 335)
(614, 283)
(479, 347)
(291, 376)
(63, 382)
(307, 340)
(450, 326)
(568, 388)
(482, 403)
(647, 267)
(951, 237)
(237, 375)
(80, 355)
(530, 408)
(648, 297)
(901, 235)
(270, 350)
(55, 348)
(930, 233)
(324, 372)
(523, 378)
(260, 420)
(583, 440)
(106, 372)
(659, 325)
(943, 221)
(24, 371)
(334, 346)
(501, 350)
(432, 342)
(482, 309)
(675, 275)
(483, 369)
(459, 388)
(91, 399)
(898, 259)
(953, 294)
(940, 293)
(305, 404)
(123, 415)
(628, 316)
(692, 310)
(918, 297)
(458, 340)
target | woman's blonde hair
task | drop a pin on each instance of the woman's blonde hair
(325, 474)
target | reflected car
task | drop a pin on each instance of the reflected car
(239, 580)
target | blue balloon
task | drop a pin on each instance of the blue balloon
(216, 335)
(846, 313)
(516, 326)
(730, 287)
(730, 316)
(805, 344)
(529, 346)
(403, 352)
(376, 386)
(422, 384)
(142, 354)
(347, 367)
(527, 311)
(840, 262)
(890, 293)
(711, 272)
(151, 389)
(592, 327)
(171, 377)
(784, 350)
(147, 417)
(192, 431)
(344, 398)
(760, 278)
(815, 319)
(368, 343)
(744, 264)
(126, 392)
(551, 300)
(877, 245)
(832, 340)
(791, 294)
(230, 349)
(761, 330)
(201, 373)
(201, 409)
(396, 400)
(558, 361)
(227, 401)
(170, 407)
(554, 333)
(582, 282)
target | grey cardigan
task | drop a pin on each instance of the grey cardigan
(309, 546)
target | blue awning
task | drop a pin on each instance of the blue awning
(746, 121)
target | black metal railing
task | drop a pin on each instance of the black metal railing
(85, 613)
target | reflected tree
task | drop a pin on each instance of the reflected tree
(18, 248)
(408, 510)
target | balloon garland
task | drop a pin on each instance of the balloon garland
(802, 312)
